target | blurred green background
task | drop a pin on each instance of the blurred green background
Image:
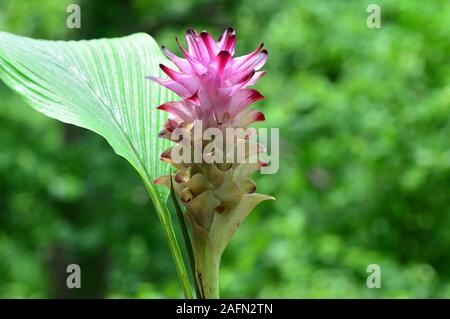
(365, 158)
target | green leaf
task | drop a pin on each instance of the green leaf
(100, 85)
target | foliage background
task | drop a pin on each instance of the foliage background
(365, 158)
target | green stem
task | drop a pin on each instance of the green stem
(164, 217)
(187, 239)
(207, 262)
(207, 273)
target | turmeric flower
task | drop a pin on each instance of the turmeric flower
(214, 90)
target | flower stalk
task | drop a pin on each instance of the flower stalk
(186, 238)
(207, 263)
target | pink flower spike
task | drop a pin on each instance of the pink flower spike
(209, 80)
